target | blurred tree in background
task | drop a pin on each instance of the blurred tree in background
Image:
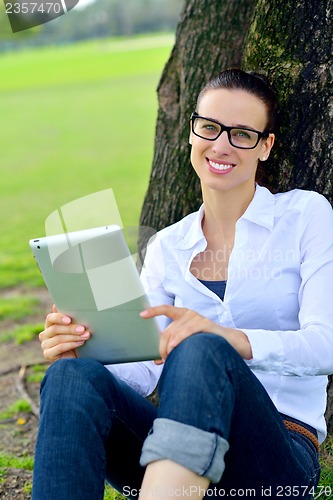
(103, 18)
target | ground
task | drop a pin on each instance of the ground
(18, 432)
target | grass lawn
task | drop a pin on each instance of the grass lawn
(75, 120)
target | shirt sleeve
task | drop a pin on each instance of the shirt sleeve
(143, 376)
(153, 276)
(309, 350)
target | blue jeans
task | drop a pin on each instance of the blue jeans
(214, 418)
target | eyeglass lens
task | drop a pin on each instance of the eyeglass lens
(238, 137)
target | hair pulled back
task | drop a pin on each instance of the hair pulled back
(251, 82)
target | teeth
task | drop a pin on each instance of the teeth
(218, 166)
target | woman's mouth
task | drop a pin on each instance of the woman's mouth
(219, 168)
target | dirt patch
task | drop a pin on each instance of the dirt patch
(16, 485)
(18, 432)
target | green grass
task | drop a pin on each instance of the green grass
(37, 373)
(9, 461)
(326, 478)
(111, 494)
(20, 405)
(76, 120)
(22, 333)
(18, 307)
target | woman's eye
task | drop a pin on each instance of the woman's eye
(210, 127)
(241, 134)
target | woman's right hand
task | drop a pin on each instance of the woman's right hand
(60, 337)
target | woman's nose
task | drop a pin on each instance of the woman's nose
(222, 144)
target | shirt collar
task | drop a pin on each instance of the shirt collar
(194, 233)
(260, 211)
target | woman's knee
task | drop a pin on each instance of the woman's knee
(63, 369)
(70, 378)
(203, 356)
(203, 347)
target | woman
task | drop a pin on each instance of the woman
(241, 289)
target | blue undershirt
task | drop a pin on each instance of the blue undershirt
(217, 287)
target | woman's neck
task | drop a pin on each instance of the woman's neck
(224, 208)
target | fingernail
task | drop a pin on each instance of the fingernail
(144, 314)
(81, 342)
(85, 335)
(80, 329)
(66, 320)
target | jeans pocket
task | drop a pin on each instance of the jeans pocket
(308, 458)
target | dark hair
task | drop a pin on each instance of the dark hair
(251, 82)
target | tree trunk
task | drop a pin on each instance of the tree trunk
(291, 41)
(209, 38)
(329, 409)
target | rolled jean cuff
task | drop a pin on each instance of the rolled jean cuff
(200, 451)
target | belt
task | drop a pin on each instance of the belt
(292, 426)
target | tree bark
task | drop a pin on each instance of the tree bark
(329, 409)
(291, 42)
(209, 38)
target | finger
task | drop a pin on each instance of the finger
(172, 312)
(55, 330)
(166, 339)
(51, 342)
(186, 325)
(57, 318)
(164, 347)
(54, 308)
(56, 352)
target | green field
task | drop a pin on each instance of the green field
(75, 119)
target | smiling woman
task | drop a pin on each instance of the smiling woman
(246, 338)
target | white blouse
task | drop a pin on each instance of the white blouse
(279, 292)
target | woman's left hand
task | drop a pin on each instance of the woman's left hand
(187, 322)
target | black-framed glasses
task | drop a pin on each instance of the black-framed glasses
(239, 137)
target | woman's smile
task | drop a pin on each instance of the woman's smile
(219, 167)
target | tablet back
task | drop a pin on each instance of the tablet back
(92, 277)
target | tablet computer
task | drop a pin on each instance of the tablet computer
(91, 276)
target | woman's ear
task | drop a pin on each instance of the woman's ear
(267, 146)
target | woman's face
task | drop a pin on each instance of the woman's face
(218, 164)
